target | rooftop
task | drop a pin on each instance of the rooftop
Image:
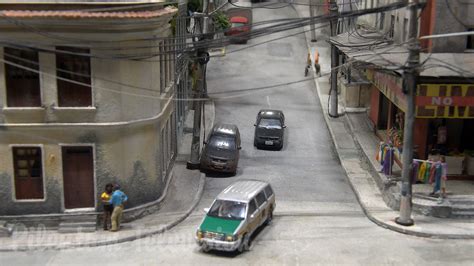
(242, 190)
(78, 14)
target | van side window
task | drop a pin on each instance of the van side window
(261, 198)
(268, 191)
(252, 207)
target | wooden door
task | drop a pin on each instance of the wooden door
(78, 177)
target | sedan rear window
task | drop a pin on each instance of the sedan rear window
(227, 209)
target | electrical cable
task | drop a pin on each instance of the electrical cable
(344, 14)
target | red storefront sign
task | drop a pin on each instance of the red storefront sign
(432, 100)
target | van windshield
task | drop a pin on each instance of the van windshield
(221, 142)
(228, 209)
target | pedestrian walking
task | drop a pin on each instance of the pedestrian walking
(108, 208)
(118, 200)
(309, 61)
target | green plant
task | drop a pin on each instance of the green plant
(195, 5)
(221, 21)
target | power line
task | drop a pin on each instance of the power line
(283, 26)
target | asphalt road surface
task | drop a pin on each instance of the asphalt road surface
(318, 220)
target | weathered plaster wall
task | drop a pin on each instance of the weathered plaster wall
(128, 156)
(122, 90)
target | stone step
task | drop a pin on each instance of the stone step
(75, 218)
(463, 214)
(68, 227)
(76, 230)
(463, 201)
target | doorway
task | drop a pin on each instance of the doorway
(78, 177)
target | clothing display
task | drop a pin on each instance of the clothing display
(386, 157)
(429, 172)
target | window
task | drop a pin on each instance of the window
(252, 207)
(232, 210)
(74, 77)
(382, 19)
(392, 26)
(405, 30)
(23, 85)
(261, 198)
(28, 169)
(268, 191)
(162, 52)
(470, 41)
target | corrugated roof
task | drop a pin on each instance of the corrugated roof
(385, 54)
(73, 14)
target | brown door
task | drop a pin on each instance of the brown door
(78, 177)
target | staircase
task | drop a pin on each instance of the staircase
(455, 206)
(75, 223)
(462, 206)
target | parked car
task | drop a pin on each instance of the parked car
(238, 30)
(221, 150)
(269, 129)
(234, 216)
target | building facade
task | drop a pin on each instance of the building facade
(445, 93)
(88, 95)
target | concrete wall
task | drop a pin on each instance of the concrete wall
(129, 156)
(355, 95)
(435, 19)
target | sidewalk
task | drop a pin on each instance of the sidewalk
(182, 196)
(359, 171)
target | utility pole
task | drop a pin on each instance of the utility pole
(311, 26)
(410, 75)
(334, 60)
(202, 59)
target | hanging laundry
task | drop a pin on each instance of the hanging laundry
(431, 177)
(421, 172)
(426, 177)
(388, 162)
(414, 171)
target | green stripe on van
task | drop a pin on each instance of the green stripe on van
(219, 225)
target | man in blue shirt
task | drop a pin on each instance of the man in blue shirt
(117, 200)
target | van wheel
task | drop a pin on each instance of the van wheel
(205, 248)
(245, 244)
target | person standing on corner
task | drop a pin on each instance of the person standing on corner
(108, 208)
(117, 200)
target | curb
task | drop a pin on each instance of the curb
(161, 229)
(369, 215)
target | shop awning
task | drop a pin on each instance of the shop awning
(451, 98)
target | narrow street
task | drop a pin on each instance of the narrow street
(318, 219)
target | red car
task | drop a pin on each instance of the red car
(239, 26)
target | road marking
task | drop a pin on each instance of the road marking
(268, 101)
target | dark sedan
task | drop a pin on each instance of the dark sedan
(269, 129)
